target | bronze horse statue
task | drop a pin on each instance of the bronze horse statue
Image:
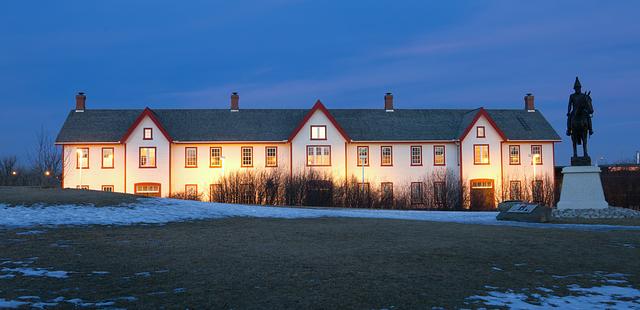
(579, 120)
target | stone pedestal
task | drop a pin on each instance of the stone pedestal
(581, 188)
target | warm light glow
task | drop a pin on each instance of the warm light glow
(13, 173)
(47, 173)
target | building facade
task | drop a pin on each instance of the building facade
(496, 153)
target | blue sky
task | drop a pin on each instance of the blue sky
(288, 53)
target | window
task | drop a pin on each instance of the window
(319, 132)
(480, 132)
(515, 190)
(215, 159)
(319, 155)
(387, 191)
(514, 154)
(247, 156)
(416, 155)
(438, 155)
(439, 192)
(82, 158)
(147, 157)
(363, 156)
(147, 189)
(107, 157)
(191, 190)
(536, 154)
(364, 188)
(190, 157)
(537, 191)
(82, 186)
(271, 156)
(480, 154)
(386, 156)
(416, 192)
(107, 188)
(147, 134)
(215, 192)
(247, 193)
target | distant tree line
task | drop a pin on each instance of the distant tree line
(41, 167)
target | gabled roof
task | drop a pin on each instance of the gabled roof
(319, 107)
(199, 125)
(146, 113)
(479, 113)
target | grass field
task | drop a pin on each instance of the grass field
(246, 263)
(25, 195)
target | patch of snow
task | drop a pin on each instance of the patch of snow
(496, 269)
(29, 297)
(143, 274)
(599, 297)
(7, 276)
(30, 232)
(100, 273)
(37, 272)
(11, 304)
(179, 290)
(160, 211)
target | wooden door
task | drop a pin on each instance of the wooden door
(482, 195)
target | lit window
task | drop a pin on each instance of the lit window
(147, 189)
(318, 132)
(319, 155)
(363, 188)
(416, 156)
(481, 184)
(82, 158)
(271, 156)
(247, 193)
(363, 156)
(191, 157)
(107, 157)
(386, 154)
(480, 132)
(514, 154)
(148, 134)
(439, 192)
(536, 154)
(216, 155)
(416, 192)
(481, 154)
(191, 190)
(387, 191)
(82, 186)
(438, 155)
(247, 156)
(107, 188)
(537, 191)
(147, 157)
(515, 190)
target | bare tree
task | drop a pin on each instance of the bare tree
(46, 160)
(7, 168)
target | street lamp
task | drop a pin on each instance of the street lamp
(47, 173)
(14, 173)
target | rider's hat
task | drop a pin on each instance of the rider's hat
(577, 83)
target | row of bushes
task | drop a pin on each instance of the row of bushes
(438, 191)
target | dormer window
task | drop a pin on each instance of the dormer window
(480, 132)
(319, 132)
(148, 134)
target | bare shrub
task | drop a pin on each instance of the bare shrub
(186, 196)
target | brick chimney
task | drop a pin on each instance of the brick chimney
(81, 99)
(235, 107)
(528, 103)
(388, 102)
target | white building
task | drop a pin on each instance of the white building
(496, 153)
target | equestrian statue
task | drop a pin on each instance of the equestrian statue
(579, 127)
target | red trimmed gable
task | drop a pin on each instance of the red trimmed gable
(318, 106)
(482, 112)
(147, 112)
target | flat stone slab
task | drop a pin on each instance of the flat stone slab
(525, 212)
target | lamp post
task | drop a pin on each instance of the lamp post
(362, 158)
(222, 158)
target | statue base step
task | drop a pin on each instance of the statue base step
(581, 188)
(581, 161)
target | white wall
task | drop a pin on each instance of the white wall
(160, 174)
(95, 176)
(472, 171)
(334, 139)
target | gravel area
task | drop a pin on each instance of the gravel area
(608, 213)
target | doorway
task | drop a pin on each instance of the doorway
(482, 195)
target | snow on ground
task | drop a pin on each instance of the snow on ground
(160, 211)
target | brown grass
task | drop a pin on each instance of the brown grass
(28, 195)
(248, 263)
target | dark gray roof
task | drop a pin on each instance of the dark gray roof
(278, 124)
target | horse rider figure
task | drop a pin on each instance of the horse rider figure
(575, 100)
